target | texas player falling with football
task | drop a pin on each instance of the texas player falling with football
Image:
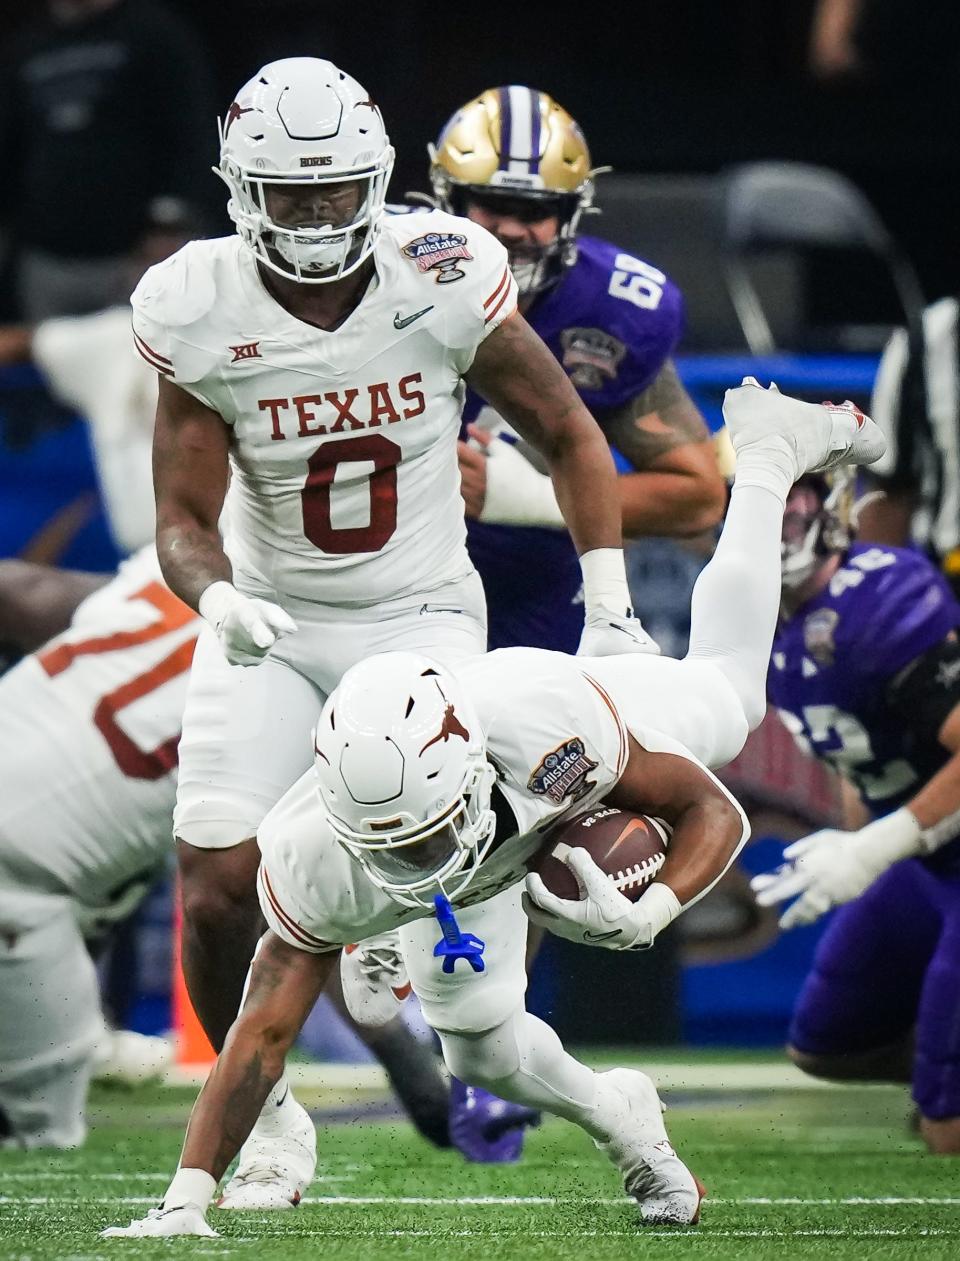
(316, 362)
(513, 160)
(433, 795)
(865, 673)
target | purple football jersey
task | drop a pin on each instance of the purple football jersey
(612, 321)
(835, 658)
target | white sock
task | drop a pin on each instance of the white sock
(769, 464)
(279, 1111)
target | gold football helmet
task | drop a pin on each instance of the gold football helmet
(515, 150)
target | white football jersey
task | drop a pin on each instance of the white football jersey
(89, 726)
(558, 745)
(345, 487)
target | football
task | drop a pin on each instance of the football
(629, 847)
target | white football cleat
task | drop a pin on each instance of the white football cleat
(819, 436)
(374, 979)
(653, 1173)
(125, 1058)
(276, 1166)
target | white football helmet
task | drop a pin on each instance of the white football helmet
(302, 121)
(404, 777)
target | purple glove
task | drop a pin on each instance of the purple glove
(484, 1128)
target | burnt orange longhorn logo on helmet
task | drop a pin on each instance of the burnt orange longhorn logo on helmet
(233, 113)
(451, 726)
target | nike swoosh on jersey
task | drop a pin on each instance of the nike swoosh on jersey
(402, 323)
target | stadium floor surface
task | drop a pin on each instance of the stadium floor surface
(791, 1173)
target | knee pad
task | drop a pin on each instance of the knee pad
(482, 1059)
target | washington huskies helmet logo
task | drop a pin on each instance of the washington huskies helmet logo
(438, 251)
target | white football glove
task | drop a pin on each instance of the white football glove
(163, 1223)
(246, 627)
(832, 867)
(611, 634)
(602, 916)
(609, 626)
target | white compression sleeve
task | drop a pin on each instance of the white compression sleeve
(733, 613)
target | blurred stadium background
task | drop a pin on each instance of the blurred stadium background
(676, 98)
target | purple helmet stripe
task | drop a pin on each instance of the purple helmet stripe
(535, 133)
(506, 128)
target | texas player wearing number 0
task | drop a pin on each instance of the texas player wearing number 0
(312, 370)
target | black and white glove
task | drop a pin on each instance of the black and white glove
(602, 916)
(246, 627)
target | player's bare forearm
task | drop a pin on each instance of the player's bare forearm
(706, 838)
(677, 488)
(708, 829)
(190, 473)
(284, 985)
(516, 373)
(230, 1101)
(38, 601)
(191, 558)
(671, 504)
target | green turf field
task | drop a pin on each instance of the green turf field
(829, 1173)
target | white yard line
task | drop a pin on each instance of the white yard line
(354, 1078)
(637, 1233)
(510, 1201)
(162, 1176)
